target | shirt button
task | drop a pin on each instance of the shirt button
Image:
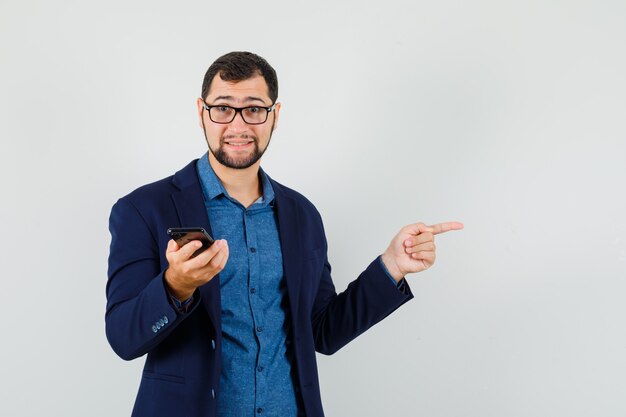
(260, 369)
(252, 290)
(259, 410)
(252, 250)
(259, 329)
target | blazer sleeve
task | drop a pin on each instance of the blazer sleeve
(139, 314)
(339, 318)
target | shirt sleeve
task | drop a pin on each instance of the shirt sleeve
(181, 306)
(401, 285)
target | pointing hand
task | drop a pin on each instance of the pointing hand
(413, 248)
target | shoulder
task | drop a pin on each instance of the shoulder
(154, 190)
(302, 202)
(160, 192)
(149, 194)
(288, 192)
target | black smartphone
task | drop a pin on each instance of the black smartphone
(184, 235)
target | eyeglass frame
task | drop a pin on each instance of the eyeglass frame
(238, 110)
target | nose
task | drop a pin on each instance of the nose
(238, 125)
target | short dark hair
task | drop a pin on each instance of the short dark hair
(239, 66)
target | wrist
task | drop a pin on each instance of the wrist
(391, 266)
(180, 292)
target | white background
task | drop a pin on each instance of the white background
(507, 116)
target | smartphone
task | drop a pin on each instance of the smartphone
(184, 235)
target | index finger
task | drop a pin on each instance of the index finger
(445, 227)
(189, 248)
(172, 246)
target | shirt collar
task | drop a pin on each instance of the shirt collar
(213, 187)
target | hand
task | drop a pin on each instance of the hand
(185, 273)
(413, 248)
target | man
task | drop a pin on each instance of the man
(233, 331)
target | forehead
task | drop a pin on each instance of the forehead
(252, 89)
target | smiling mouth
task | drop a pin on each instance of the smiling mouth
(238, 144)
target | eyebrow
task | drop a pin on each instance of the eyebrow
(249, 98)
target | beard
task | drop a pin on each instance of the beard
(222, 156)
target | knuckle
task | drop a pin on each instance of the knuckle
(214, 263)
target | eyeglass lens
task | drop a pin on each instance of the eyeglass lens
(225, 114)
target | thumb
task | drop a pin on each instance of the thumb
(423, 228)
(172, 246)
(417, 228)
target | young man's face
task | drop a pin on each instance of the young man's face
(237, 144)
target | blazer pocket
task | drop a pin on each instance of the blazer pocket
(164, 377)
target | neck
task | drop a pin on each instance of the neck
(241, 184)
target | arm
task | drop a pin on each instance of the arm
(338, 319)
(139, 314)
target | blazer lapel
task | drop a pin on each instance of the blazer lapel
(288, 231)
(189, 203)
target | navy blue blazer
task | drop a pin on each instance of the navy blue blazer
(182, 368)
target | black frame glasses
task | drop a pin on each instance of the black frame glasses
(239, 110)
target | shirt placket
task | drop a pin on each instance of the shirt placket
(255, 307)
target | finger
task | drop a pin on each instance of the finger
(427, 246)
(427, 256)
(419, 239)
(205, 257)
(216, 261)
(219, 257)
(172, 246)
(189, 249)
(445, 227)
(225, 259)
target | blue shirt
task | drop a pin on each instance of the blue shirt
(256, 376)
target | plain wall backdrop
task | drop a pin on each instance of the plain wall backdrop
(506, 115)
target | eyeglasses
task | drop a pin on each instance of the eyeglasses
(253, 115)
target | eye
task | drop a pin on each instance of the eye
(254, 110)
(222, 109)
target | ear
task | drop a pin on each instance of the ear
(276, 114)
(200, 105)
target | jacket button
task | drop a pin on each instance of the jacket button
(154, 329)
(213, 344)
(165, 320)
(212, 393)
